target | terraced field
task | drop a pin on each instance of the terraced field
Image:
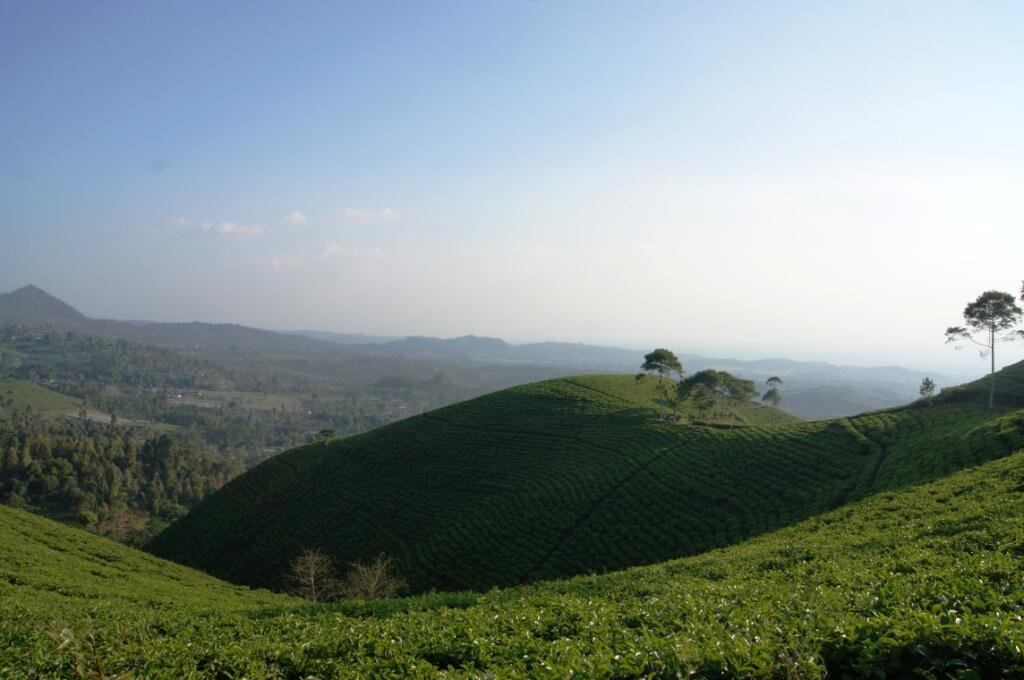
(924, 582)
(560, 478)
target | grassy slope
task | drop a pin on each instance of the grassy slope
(927, 579)
(1009, 389)
(560, 478)
(25, 393)
(72, 566)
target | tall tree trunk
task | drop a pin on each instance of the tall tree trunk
(992, 369)
(661, 393)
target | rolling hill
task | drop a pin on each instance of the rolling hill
(813, 389)
(1009, 389)
(923, 582)
(565, 477)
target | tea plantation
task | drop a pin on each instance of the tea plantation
(561, 478)
(1009, 388)
(926, 582)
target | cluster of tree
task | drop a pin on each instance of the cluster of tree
(706, 389)
(312, 575)
(138, 382)
(709, 388)
(990, 319)
(109, 479)
(125, 484)
(45, 356)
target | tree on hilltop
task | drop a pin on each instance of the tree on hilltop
(725, 385)
(992, 317)
(773, 395)
(738, 389)
(927, 389)
(703, 399)
(663, 362)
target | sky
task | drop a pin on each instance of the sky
(813, 180)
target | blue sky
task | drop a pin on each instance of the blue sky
(820, 180)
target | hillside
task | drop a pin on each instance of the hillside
(1009, 389)
(560, 478)
(21, 394)
(923, 582)
(813, 389)
(35, 305)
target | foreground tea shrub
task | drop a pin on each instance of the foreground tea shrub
(926, 582)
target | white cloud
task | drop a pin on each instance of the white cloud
(333, 250)
(369, 216)
(280, 263)
(297, 217)
(233, 229)
(227, 228)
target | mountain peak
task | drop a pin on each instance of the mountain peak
(32, 305)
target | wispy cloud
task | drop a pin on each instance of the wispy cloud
(333, 250)
(369, 216)
(233, 229)
(280, 263)
(226, 228)
(297, 217)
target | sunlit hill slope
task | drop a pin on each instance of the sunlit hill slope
(565, 477)
(919, 583)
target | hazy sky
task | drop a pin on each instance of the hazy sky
(814, 179)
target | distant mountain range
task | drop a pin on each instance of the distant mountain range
(812, 389)
(34, 306)
(345, 338)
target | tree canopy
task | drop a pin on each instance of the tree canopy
(927, 389)
(993, 317)
(663, 362)
(724, 384)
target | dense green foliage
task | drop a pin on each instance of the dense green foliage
(182, 408)
(49, 357)
(709, 386)
(560, 478)
(924, 582)
(143, 382)
(134, 482)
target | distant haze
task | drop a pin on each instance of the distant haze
(814, 180)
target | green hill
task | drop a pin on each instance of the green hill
(923, 582)
(20, 394)
(560, 478)
(37, 306)
(1009, 389)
